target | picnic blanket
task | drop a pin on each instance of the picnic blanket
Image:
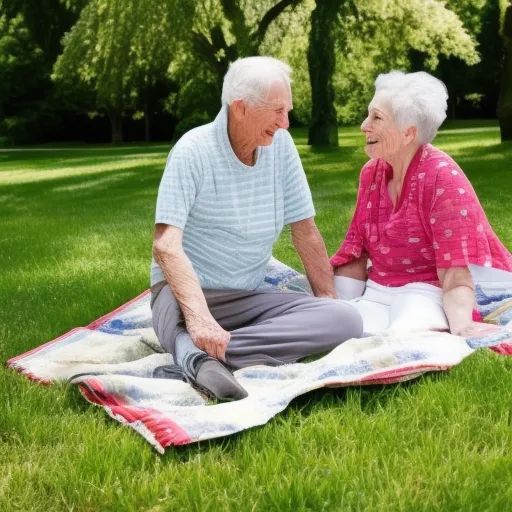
(119, 365)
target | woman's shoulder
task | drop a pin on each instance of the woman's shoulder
(374, 167)
(437, 162)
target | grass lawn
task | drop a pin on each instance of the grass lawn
(75, 231)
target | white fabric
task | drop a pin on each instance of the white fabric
(413, 307)
(348, 288)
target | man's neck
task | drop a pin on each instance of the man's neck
(241, 142)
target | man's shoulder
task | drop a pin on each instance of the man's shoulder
(283, 139)
(196, 139)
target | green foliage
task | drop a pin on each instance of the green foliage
(20, 58)
(119, 49)
(505, 98)
(379, 36)
(21, 68)
(222, 31)
(374, 36)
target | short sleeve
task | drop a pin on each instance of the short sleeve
(352, 247)
(457, 221)
(298, 203)
(178, 188)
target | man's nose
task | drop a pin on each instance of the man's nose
(284, 122)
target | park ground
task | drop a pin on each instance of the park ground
(75, 231)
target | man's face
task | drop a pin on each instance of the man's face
(262, 121)
(383, 137)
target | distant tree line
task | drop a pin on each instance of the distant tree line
(123, 70)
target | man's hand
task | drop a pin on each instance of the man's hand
(205, 332)
(210, 337)
(311, 248)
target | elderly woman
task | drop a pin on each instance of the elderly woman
(418, 225)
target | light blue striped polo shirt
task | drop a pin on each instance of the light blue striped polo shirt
(230, 213)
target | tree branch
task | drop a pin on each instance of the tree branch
(268, 18)
(235, 15)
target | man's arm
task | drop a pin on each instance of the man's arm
(458, 299)
(308, 242)
(168, 252)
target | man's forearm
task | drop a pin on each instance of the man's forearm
(185, 286)
(313, 254)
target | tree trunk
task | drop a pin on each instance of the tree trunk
(147, 119)
(323, 130)
(116, 123)
(504, 110)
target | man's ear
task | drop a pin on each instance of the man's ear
(238, 108)
(410, 134)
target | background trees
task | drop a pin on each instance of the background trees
(505, 99)
(140, 60)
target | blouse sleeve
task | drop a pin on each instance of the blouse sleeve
(457, 221)
(353, 246)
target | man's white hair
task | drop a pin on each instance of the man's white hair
(251, 78)
(417, 99)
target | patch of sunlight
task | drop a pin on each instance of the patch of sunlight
(93, 183)
(4, 198)
(160, 155)
(460, 146)
(464, 131)
(33, 175)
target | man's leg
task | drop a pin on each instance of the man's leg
(273, 327)
(200, 370)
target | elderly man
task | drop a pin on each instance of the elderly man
(228, 189)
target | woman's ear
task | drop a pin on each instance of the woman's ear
(410, 134)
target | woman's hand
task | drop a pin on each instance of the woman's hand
(458, 297)
(477, 329)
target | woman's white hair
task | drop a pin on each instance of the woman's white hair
(417, 99)
(251, 78)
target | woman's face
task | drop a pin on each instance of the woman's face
(383, 137)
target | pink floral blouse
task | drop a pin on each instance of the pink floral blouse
(438, 222)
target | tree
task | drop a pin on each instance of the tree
(118, 51)
(21, 67)
(505, 99)
(323, 129)
(473, 90)
(223, 31)
(375, 36)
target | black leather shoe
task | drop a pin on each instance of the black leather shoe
(168, 371)
(209, 376)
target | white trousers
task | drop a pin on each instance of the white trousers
(412, 307)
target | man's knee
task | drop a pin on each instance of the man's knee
(341, 320)
(167, 319)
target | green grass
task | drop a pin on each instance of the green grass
(75, 231)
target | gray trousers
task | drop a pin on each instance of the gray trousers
(268, 327)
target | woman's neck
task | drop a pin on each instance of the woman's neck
(400, 162)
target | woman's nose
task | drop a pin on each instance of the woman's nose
(364, 125)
